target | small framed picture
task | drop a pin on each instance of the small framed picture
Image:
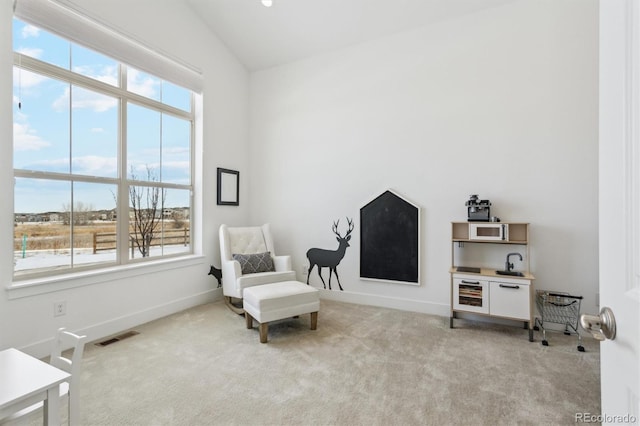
(228, 187)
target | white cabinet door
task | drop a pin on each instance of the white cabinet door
(510, 300)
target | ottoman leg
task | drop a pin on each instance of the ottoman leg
(249, 319)
(314, 320)
(264, 329)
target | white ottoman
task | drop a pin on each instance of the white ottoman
(271, 302)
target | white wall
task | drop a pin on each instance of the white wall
(114, 302)
(501, 103)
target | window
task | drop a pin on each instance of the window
(102, 158)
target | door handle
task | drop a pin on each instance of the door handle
(601, 326)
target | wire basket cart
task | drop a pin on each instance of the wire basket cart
(558, 308)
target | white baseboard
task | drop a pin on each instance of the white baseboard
(387, 302)
(117, 325)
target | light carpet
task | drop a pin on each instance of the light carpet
(364, 365)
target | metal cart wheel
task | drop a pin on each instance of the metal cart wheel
(545, 343)
(580, 348)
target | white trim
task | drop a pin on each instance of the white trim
(37, 286)
(412, 305)
(634, 159)
(66, 19)
(631, 139)
(381, 280)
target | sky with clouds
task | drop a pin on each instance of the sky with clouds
(60, 127)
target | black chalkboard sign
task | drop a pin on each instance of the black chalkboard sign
(389, 239)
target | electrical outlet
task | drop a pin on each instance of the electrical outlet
(304, 270)
(59, 308)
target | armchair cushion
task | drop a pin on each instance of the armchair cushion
(254, 263)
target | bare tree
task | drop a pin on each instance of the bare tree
(146, 203)
(178, 219)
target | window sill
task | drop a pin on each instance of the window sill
(34, 287)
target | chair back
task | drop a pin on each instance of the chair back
(63, 340)
(73, 365)
(245, 240)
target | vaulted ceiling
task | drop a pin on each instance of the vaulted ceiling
(290, 30)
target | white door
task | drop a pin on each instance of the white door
(620, 207)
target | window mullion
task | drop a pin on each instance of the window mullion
(123, 185)
(37, 66)
(71, 184)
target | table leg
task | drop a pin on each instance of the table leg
(51, 411)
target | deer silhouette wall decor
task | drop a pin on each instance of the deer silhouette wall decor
(330, 258)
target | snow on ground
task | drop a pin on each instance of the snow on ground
(39, 259)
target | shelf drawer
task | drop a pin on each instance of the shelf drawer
(471, 295)
(510, 300)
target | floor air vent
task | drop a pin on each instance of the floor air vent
(117, 338)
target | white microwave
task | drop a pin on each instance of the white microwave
(489, 231)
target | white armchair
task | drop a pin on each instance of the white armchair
(245, 264)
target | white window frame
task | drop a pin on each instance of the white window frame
(148, 60)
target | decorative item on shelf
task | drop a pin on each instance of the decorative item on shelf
(478, 210)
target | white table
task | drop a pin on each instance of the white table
(25, 380)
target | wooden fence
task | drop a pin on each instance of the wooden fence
(107, 240)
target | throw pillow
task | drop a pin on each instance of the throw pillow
(252, 263)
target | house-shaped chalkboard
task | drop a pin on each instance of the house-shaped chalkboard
(390, 239)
